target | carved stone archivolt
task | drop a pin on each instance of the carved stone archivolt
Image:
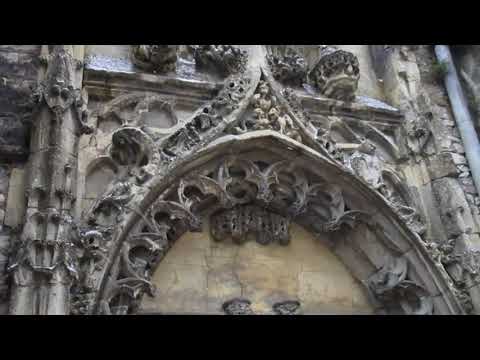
(335, 74)
(211, 116)
(156, 58)
(241, 196)
(244, 197)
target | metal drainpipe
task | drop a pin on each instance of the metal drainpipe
(461, 113)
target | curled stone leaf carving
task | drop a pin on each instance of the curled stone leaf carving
(243, 197)
(390, 285)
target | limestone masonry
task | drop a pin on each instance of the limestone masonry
(241, 180)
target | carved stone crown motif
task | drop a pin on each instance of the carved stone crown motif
(336, 73)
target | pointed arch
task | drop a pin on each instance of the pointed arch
(372, 240)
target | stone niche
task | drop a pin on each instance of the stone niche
(198, 275)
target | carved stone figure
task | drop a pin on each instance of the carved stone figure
(269, 114)
(392, 288)
(226, 59)
(335, 74)
(155, 58)
(289, 67)
(367, 164)
(453, 207)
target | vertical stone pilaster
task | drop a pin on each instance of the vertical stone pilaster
(42, 266)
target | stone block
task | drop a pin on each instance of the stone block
(13, 137)
(16, 199)
(458, 159)
(443, 165)
(467, 185)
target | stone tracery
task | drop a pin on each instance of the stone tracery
(241, 195)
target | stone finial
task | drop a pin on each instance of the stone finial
(335, 74)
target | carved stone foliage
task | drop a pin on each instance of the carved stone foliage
(368, 164)
(392, 288)
(268, 114)
(211, 115)
(33, 253)
(133, 110)
(224, 59)
(134, 149)
(91, 245)
(238, 306)
(155, 58)
(58, 89)
(321, 136)
(288, 67)
(335, 74)
(243, 196)
(238, 222)
(289, 307)
(417, 126)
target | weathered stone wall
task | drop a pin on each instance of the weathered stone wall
(18, 76)
(438, 171)
(198, 275)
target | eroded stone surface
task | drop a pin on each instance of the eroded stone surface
(209, 273)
